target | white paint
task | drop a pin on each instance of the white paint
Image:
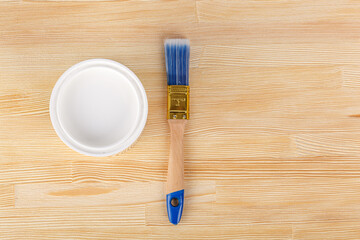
(98, 107)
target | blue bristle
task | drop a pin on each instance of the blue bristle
(177, 53)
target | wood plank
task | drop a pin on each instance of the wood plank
(105, 194)
(327, 144)
(350, 76)
(7, 196)
(121, 170)
(78, 232)
(102, 217)
(327, 231)
(288, 200)
(118, 12)
(275, 232)
(35, 171)
(275, 12)
(281, 54)
(273, 168)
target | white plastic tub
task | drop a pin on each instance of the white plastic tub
(98, 107)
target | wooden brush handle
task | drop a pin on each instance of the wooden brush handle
(175, 177)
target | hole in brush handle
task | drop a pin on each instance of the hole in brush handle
(174, 202)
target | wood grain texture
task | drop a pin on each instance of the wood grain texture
(175, 174)
(7, 195)
(103, 194)
(272, 147)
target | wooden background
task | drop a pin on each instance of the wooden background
(272, 148)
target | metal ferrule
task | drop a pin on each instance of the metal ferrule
(178, 102)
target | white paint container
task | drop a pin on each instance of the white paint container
(98, 107)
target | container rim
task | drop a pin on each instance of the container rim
(118, 146)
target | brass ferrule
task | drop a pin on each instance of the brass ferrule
(178, 102)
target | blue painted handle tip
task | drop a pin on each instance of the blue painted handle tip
(175, 204)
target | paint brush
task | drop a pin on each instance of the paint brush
(177, 53)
